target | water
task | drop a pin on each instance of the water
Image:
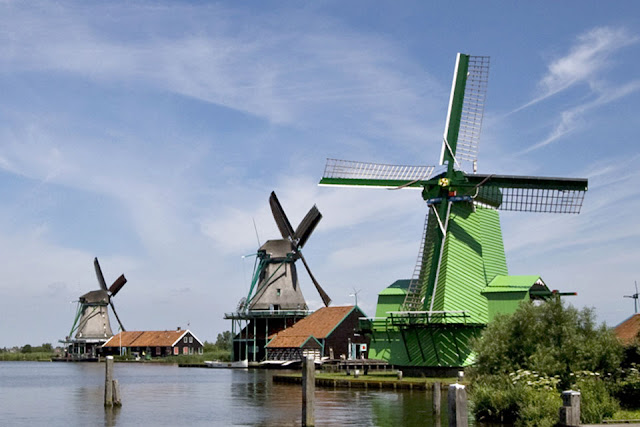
(35, 393)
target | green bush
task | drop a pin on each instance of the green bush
(627, 390)
(524, 360)
(550, 339)
(523, 398)
(538, 407)
(596, 403)
(494, 399)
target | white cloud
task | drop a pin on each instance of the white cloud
(584, 62)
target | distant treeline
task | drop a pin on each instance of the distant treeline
(28, 348)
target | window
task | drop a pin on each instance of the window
(176, 351)
(190, 340)
(200, 350)
(278, 291)
(185, 340)
(190, 350)
(185, 350)
(157, 351)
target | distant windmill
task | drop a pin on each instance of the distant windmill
(275, 280)
(92, 318)
(355, 295)
(635, 298)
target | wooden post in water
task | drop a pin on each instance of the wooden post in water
(108, 381)
(457, 401)
(117, 400)
(437, 398)
(308, 391)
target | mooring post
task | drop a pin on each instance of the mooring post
(437, 397)
(570, 410)
(117, 400)
(108, 381)
(457, 400)
(308, 391)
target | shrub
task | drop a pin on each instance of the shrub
(523, 398)
(550, 339)
(544, 345)
(595, 401)
(627, 390)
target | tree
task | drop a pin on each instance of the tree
(224, 341)
(550, 339)
(524, 359)
(26, 348)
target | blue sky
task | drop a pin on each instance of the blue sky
(150, 135)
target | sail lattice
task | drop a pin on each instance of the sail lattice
(473, 109)
(346, 169)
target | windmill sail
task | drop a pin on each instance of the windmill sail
(466, 110)
(349, 173)
(529, 194)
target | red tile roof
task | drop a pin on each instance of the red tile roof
(295, 341)
(629, 329)
(147, 338)
(318, 324)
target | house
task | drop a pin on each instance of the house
(628, 330)
(327, 332)
(154, 343)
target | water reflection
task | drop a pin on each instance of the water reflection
(65, 393)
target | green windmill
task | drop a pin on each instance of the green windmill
(460, 280)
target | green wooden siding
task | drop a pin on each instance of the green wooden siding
(422, 345)
(473, 255)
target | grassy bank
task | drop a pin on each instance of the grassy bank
(180, 359)
(30, 357)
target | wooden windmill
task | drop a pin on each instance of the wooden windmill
(275, 283)
(462, 249)
(91, 326)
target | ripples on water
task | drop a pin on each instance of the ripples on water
(35, 393)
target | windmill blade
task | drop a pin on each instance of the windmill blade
(281, 218)
(466, 110)
(306, 227)
(96, 265)
(348, 173)
(323, 294)
(113, 307)
(530, 194)
(117, 285)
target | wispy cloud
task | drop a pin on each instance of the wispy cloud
(255, 67)
(586, 59)
(573, 118)
(588, 62)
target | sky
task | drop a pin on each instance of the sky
(150, 135)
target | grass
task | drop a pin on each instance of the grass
(31, 357)
(181, 358)
(627, 414)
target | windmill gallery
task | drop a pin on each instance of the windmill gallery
(460, 281)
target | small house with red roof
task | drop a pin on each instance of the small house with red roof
(326, 333)
(154, 343)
